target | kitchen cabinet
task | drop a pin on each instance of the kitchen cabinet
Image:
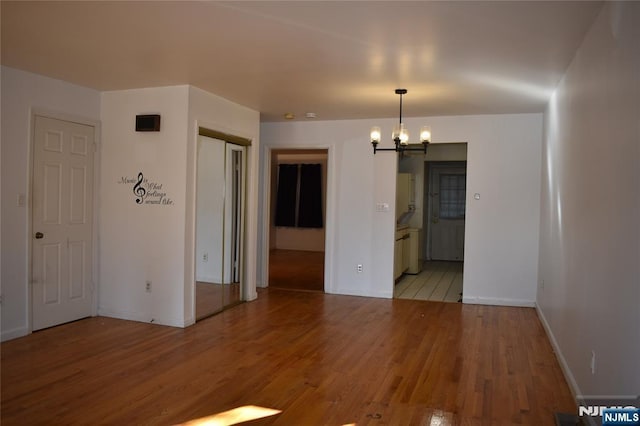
(414, 261)
(404, 193)
(407, 251)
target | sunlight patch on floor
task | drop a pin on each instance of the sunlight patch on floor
(234, 416)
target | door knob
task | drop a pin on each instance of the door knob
(39, 235)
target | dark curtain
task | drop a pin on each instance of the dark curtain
(310, 202)
(286, 199)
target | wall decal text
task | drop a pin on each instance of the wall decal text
(146, 191)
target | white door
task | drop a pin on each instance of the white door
(62, 222)
(447, 192)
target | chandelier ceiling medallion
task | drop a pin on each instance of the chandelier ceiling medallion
(400, 134)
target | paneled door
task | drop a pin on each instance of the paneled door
(62, 222)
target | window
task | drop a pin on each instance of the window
(299, 199)
(453, 188)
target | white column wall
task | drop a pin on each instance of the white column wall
(143, 242)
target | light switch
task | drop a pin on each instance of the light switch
(22, 200)
(382, 207)
(476, 196)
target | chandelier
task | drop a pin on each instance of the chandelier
(400, 134)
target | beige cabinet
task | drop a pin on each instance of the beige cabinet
(407, 252)
(413, 251)
(404, 193)
(397, 262)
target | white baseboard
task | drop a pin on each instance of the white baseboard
(498, 301)
(140, 317)
(566, 371)
(14, 334)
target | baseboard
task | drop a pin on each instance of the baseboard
(566, 371)
(498, 301)
(14, 334)
(208, 279)
(140, 317)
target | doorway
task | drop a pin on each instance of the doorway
(220, 213)
(62, 221)
(297, 220)
(439, 214)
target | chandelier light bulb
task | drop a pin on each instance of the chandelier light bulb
(425, 134)
(404, 135)
(375, 134)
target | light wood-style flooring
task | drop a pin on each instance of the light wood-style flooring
(321, 359)
(296, 270)
(438, 281)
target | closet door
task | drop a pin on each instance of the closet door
(210, 226)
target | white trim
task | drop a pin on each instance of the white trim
(266, 218)
(46, 113)
(566, 371)
(14, 334)
(140, 317)
(498, 301)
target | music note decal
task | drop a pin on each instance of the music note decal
(139, 190)
(146, 191)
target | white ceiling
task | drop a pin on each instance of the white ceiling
(341, 60)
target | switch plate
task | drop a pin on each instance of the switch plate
(382, 207)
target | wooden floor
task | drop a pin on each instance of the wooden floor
(296, 270)
(321, 359)
(439, 281)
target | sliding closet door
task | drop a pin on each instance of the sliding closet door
(210, 225)
(234, 222)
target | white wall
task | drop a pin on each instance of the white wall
(22, 92)
(501, 252)
(350, 200)
(145, 242)
(590, 207)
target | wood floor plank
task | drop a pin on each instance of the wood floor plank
(321, 359)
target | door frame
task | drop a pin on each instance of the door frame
(329, 212)
(41, 112)
(228, 136)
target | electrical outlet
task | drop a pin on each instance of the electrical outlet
(205, 257)
(593, 362)
(147, 286)
(359, 268)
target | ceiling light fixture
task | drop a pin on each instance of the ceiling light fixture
(400, 134)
